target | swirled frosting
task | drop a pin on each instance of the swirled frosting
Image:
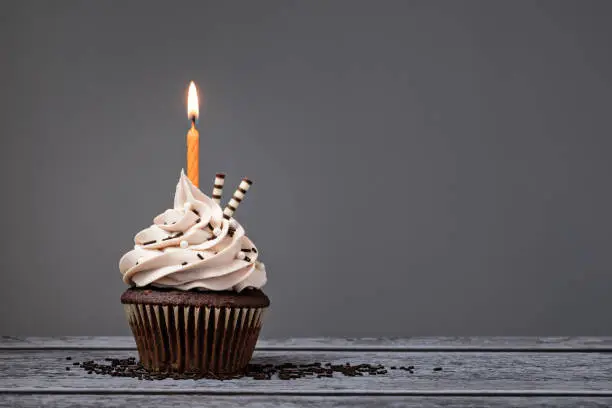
(192, 246)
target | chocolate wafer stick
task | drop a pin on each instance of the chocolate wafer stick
(230, 208)
(218, 187)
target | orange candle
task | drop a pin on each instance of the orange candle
(193, 136)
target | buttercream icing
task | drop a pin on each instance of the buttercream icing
(192, 246)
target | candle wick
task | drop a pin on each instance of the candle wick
(193, 122)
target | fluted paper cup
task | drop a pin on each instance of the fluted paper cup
(215, 340)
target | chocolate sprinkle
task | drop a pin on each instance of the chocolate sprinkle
(129, 367)
(178, 234)
(149, 242)
(255, 250)
(200, 256)
(246, 258)
(198, 220)
(184, 263)
(196, 212)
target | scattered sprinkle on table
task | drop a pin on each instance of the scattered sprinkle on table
(129, 367)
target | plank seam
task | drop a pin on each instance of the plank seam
(432, 349)
(313, 393)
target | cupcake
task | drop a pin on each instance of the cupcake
(195, 303)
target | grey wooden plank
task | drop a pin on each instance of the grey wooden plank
(469, 372)
(500, 344)
(185, 401)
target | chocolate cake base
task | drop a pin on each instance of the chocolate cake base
(195, 332)
(158, 296)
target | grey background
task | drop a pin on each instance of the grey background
(420, 167)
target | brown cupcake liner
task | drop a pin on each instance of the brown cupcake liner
(183, 339)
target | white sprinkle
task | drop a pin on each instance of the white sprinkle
(184, 244)
(217, 231)
(240, 255)
(233, 223)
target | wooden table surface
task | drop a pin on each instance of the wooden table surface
(476, 371)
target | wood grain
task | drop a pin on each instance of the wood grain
(185, 401)
(477, 371)
(490, 344)
(472, 372)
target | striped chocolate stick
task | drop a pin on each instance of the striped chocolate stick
(218, 188)
(230, 208)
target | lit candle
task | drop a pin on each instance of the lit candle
(193, 136)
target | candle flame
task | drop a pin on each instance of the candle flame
(193, 109)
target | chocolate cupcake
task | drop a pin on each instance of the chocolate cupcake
(196, 303)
